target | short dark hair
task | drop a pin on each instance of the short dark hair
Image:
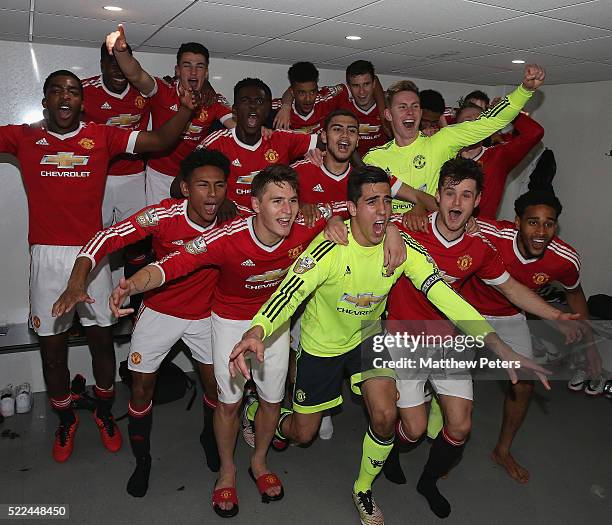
(364, 175)
(537, 198)
(476, 94)
(192, 47)
(467, 105)
(432, 100)
(460, 169)
(303, 72)
(339, 113)
(252, 82)
(61, 73)
(275, 174)
(105, 55)
(203, 157)
(360, 67)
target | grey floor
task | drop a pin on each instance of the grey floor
(566, 442)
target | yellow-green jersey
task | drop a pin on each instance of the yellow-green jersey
(419, 163)
(349, 293)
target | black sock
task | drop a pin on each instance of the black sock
(138, 484)
(104, 401)
(207, 437)
(444, 453)
(139, 430)
(66, 417)
(392, 468)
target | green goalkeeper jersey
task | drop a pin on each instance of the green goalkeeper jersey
(349, 294)
(419, 163)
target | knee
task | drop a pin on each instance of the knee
(413, 429)
(304, 435)
(459, 430)
(142, 392)
(229, 410)
(382, 421)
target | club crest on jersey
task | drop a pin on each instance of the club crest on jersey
(269, 276)
(148, 218)
(203, 114)
(540, 278)
(135, 358)
(125, 119)
(419, 162)
(195, 246)
(36, 321)
(294, 252)
(303, 264)
(139, 102)
(363, 300)
(87, 143)
(464, 262)
(66, 159)
(300, 396)
(271, 156)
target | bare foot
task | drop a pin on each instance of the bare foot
(259, 469)
(226, 479)
(515, 471)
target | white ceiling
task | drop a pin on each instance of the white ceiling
(452, 40)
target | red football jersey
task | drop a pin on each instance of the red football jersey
(457, 261)
(250, 271)
(559, 263)
(189, 297)
(165, 101)
(328, 99)
(371, 133)
(247, 161)
(64, 177)
(128, 110)
(499, 160)
(318, 184)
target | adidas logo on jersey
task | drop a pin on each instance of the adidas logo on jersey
(106, 105)
(42, 142)
(236, 162)
(318, 188)
(174, 107)
(347, 271)
(248, 262)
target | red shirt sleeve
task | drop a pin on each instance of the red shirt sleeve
(138, 226)
(119, 140)
(529, 133)
(204, 250)
(493, 271)
(10, 137)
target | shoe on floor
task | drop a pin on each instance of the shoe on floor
(23, 398)
(7, 401)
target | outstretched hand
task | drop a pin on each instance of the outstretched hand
(69, 298)
(251, 342)
(116, 40)
(118, 297)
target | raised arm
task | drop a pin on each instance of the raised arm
(166, 136)
(116, 43)
(505, 111)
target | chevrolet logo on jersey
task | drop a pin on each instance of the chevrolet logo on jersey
(363, 300)
(269, 276)
(123, 120)
(246, 179)
(65, 159)
(192, 129)
(365, 129)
